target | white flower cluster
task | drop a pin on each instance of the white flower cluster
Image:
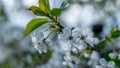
(111, 64)
(39, 42)
(104, 64)
(76, 40)
(70, 40)
(70, 60)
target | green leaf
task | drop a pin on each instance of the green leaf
(115, 34)
(108, 40)
(33, 24)
(56, 11)
(112, 30)
(106, 56)
(6, 64)
(46, 2)
(117, 62)
(37, 11)
(44, 6)
(100, 46)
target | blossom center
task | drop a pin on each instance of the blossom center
(70, 37)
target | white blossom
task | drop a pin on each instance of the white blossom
(86, 54)
(111, 64)
(37, 40)
(112, 55)
(77, 38)
(99, 66)
(65, 36)
(85, 36)
(88, 37)
(71, 40)
(94, 55)
(74, 50)
(66, 39)
(102, 62)
(70, 60)
(66, 46)
(119, 56)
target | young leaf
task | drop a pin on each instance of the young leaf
(46, 2)
(33, 24)
(37, 11)
(44, 6)
(56, 11)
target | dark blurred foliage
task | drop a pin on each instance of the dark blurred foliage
(3, 16)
